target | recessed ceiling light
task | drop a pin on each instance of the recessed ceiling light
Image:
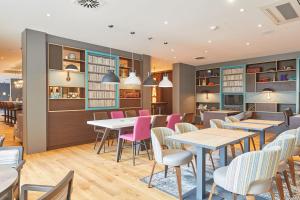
(110, 26)
(174, 57)
(166, 22)
(165, 43)
(1, 58)
(205, 51)
(242, 10)
(172, 50)
(213, 28)
(247, 43)
(48, 15)
(231, 1)
(259, 25)
(209, 41)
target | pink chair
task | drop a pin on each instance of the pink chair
(172, 120)
(144, 112)
(141, 132)
(117, 114)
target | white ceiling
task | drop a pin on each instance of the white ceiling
(187, 31)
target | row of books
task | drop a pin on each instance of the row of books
(232, 83)
(233, 71)
(99, 68)
(233, 89)
(101, 103)
(102, 95)
(233, 77)
(101, 60)
(95, 77)
(99, 86)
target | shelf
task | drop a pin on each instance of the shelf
(100, 64)
(129, 98)
(290, 70)
(61, 70)
(96, 73)
(277, 81)
(67, 99)
(208, 77)
(265, 72)
(101, 98)
(233, 74)
(76, 61)
(208, 85)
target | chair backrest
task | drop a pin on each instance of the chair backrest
(172, 120)
(159, 121)
(248, 114)
(117, 114)
(100, 115)
(11, 155)
(231, 119)
(295, 132)
(159, 141)
(130, 113)
(2, 138)
(188, 118)
(216, 123)
(287, 114)
(251, 167)
(141, 130)
(144, 112)
(185, 127)
(286, 143)
(62, 191)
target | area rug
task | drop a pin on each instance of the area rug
(169, 184)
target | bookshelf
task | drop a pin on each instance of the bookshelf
(100, 96)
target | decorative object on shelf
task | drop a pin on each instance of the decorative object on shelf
(70, 68)
(18, 84)
(283, 77)
(264, 79)
(72, 56)
(268, 91)
(209, 72)
(206, 92)
(204, 82)
(110, 77)
(165, 82)
(149, 81)
(211, 84)
(254, 69)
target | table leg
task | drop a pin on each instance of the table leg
(223, 156)
(247, 144)
(104, 137)
(262, 139)
(201, 193)
(120, 141)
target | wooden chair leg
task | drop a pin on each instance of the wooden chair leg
(253, 143)
(287, 181)
(279, 186)
(178, 175)
(194, 171)
(292, 170)
(250, 197)
(232, 150)
(242, 148)
(272, 194)
(213, 189)
(149, 184)
(212, 161)
(166, 170)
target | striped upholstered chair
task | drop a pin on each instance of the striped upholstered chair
(296, 151)
(187, 127)
(249, 174)
(287, 145)
(169, 153)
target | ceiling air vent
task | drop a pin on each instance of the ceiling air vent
(199, 58)
(283, 11)
(89, 3)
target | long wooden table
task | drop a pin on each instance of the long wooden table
(211, 139)
(260, 121)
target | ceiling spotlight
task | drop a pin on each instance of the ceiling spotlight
(150, 38)
(205, 51)
(172, 50)
(231, 1)
(132, 32)
(48, 15)
(166, 43)
(259, 25)
(174, 57)
(242, 10)
(209, 41)
(247, 43)
(1, 58)
(213, 28)
(166, 22)
(110, 26)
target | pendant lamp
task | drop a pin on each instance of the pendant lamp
(149, 81)
(165, 82)
(110, 77)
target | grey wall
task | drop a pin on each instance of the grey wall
(146, 100)
(184, 88)
(15, 92)
(34, 90)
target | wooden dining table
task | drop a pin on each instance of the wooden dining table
(8, 178)
(211, 139)
(262, 121)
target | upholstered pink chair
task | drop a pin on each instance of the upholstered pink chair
(144, 112)
(117, 114)
(141, 132)
(172, 120)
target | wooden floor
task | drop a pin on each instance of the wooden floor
(96, 176)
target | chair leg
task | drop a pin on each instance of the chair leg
(250, 197)
(146, 149)
(242, 148)
(253, 143)
(279, 186)
(213, 189)
(287, 181)
(194, 171)
(178, 175)
(232, 150)
(234, 196)
(97, 137)
(166, 170)
(272, 194)
(133, 153)
(212, 161)
(292, 170)
(195, 156)
(149, 184)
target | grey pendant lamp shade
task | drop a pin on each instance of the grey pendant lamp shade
(110, 78)
(149, 81)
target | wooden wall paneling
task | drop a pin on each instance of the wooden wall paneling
(250, 82)
(66, 104)
(55, 57)
(267, 107)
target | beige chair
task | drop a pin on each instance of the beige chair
(2, 138)
(62, 191)
(296, 151)
(287, 145)
(218, 123)
(159, 121)
(169, 153)
(186, 127)
(13, 157)
(249, 174)
(130, 113)
(188, 118)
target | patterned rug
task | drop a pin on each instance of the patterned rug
(169, 184)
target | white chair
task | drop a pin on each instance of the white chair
(218, 123)
(169, 153)
(186, 127)
(296, 151)
(248, 174)
(287, 144)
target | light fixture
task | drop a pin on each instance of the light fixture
(166, 22)
(132, 79)
(1, 58)
(48, 15)
(209, 41)
(174, 57)
(259, 25)
(205, 51)
(70, 68)
(172, 50)
(149, 81)
(242, 10)
(110, 77)
(268, 91)
(18, 84)
(165, 82)
(247, 43)
(165, 43)
(206, 92)
(213, 28)
(231, 1)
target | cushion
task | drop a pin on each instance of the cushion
(176, 157)
(9, 157)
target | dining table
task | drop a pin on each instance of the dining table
(262, 121)
(8, 178)
(211, 139)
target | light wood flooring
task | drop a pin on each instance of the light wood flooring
(96, 176)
